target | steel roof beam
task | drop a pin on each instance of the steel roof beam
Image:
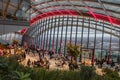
(108, 15)
(94, 1)
(5, 11)
(8, 15)
(75, 7)
(89, 9)
(9, 4)
(18, 6)
(42, 12)
(55, 6)
(104, 2)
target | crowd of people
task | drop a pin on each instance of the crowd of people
(104, 63)
(45, 56)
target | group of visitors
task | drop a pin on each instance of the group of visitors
(60, 60)
(107, 64)
(40, 63)
(45, 62)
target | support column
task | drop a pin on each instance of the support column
(44, 32)
(47, 33)
(82, 39)
(94, 48)
(57, 40)
(51, 20)
(66, 35)
(42, 28)
(102, 38)
(61, 42)
(76, 32)
(110, 48)
(88, 34)
(71, 30)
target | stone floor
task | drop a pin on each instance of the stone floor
(52, 63)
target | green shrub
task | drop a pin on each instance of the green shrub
(10, 69)
(98, 77)
(87, 72)
(110, 74)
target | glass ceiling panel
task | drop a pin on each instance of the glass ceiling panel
(39, 6)
(72, 8)
(11, 10)
(113, 8)
(72, 2)
(34, 14)
(24, 6)
(107, 6)
(48, 9)
(94, 4)
(112, 1)
(14, 2)
(91, 4)
(114, 14)
(39, 1)
(2, 6)
(61, 3)
(31, 10)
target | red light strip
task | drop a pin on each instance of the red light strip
(54, 13)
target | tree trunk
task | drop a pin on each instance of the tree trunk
(80, 58)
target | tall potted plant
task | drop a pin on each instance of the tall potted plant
(74, 50)
(15, 42)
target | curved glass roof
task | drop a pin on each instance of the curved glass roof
(107, 8)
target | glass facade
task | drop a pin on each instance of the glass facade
(8, 38)
(55, 32)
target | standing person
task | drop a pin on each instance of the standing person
(112, 63)
(59, 51)
(28, 62)
(47, 63)
(51, 53)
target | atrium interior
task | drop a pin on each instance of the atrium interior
(91, 27)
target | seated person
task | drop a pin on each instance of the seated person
(71, 67)
(60, 63)
(42, 62)
(63, 63)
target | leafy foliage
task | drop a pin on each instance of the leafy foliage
(73, 50)
(22, 76)
(10, 69)
(87, 72)
(110, 74)
(15, 41)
